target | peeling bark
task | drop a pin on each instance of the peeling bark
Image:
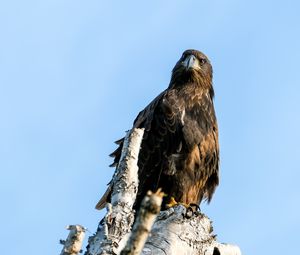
(73, 243)
(174, 232)
(149, 209)
(113, 231)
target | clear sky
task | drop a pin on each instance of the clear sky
(74, 74)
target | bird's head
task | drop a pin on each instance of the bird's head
(193, 67)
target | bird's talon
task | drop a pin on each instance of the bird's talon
(191, 210)
(189, 213)
(171, 203)
(197, 207)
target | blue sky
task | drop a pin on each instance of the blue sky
(74, 74)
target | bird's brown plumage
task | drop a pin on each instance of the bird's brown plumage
(180, 150)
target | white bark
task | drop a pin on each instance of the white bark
(113, 231)
(72, 246)
(148, 211)
(174, 231)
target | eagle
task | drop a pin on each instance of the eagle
(180, 150)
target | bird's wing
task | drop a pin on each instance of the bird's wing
(161, 120)
(162, 138)
(105, 197)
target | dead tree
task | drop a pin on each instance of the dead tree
(72, 245)
(174, 232)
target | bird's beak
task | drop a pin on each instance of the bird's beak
(191, 62)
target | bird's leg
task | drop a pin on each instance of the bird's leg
(191, 209)
(173, 203)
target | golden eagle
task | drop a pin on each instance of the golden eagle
(180, 150)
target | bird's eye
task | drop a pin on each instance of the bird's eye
(202, 61)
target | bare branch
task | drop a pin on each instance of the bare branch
(72, 246)
(113, 231)
(149, 209)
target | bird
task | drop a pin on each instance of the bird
(179, 152)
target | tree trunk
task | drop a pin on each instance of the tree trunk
(176, 231)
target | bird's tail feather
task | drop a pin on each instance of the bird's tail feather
(104, 199)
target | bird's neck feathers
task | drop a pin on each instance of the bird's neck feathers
(182, 79)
